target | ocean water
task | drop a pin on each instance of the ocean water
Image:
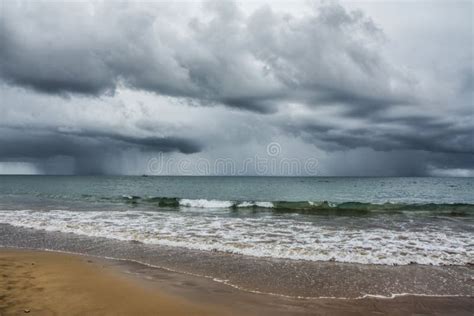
(383, 221)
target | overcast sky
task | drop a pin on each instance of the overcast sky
(379, 88)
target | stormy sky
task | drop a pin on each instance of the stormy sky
(354, 87)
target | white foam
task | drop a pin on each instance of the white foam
(203, 203)
(259, 204)
(263, 236)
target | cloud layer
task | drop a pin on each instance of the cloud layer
(215, 73)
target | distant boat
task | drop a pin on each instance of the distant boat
(144, 175)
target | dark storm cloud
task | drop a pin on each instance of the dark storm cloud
(423, 141)
(90, 150)
(36, 64)
(148, 143)
(251, 62)
(330, 61)
(16, 143)
(385, 133)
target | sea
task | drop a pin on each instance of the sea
(304, 222)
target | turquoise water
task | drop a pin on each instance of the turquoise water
(374, 190)
(363, 220)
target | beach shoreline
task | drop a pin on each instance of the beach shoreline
(281, 277)
(37, 281)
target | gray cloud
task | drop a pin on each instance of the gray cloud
(89, 150)
(329, 55)
(323, 77)
(414, 133)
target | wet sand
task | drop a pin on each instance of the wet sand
(47, 283)
(42, 283)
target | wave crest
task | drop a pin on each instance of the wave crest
(306, 207)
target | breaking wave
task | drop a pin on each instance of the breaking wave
(315, 207)
(395, 242)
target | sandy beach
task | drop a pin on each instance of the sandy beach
(48, 283)
(42, 283)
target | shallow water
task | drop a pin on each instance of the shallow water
(282, 277)
(389, 221)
